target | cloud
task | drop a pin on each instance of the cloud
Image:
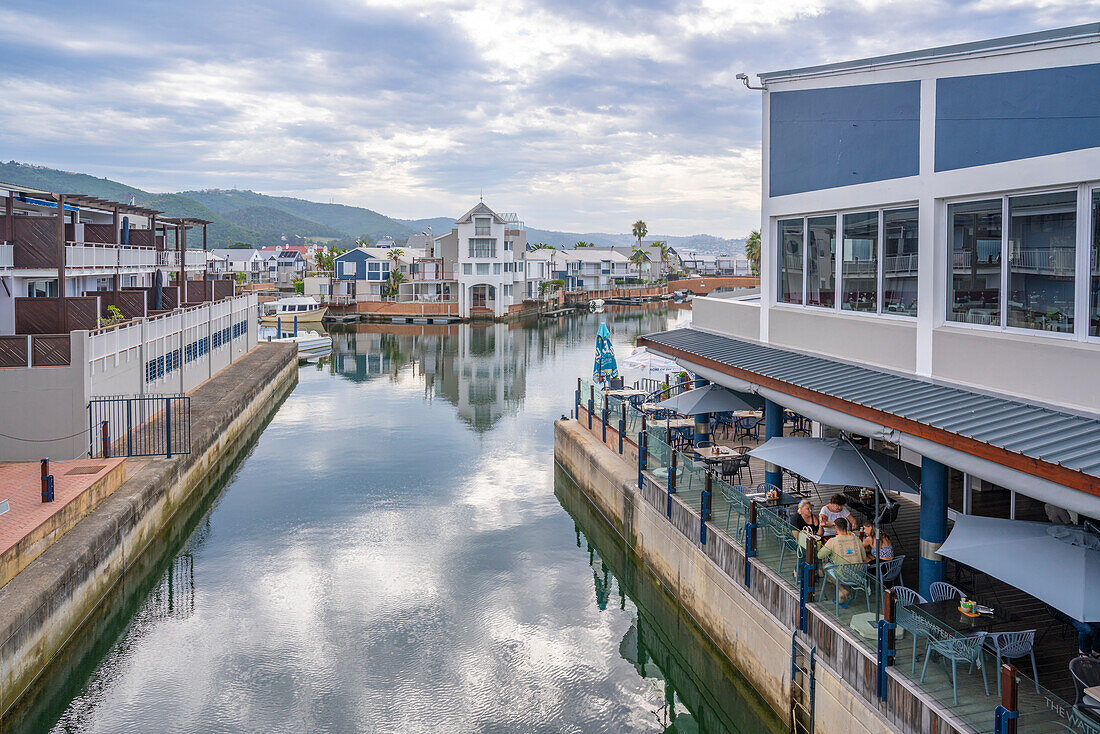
(577, 115)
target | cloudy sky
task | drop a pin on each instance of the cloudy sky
(581, 116)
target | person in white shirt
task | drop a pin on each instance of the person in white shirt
(830, 512)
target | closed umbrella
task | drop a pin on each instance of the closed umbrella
(1057, 564)
(604, 369)
(833, 461)
(707, 399)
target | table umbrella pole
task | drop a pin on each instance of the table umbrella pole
(878, 491)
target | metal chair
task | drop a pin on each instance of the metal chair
(1082, 722)
(914, 624)
(942, 591)
(735, 503)
(1011, 645)
(746, 428)
(788, 542)
(765, 487)
(852, 575)
(958, 650)
(1086, 674)
(731, 470)
(891, 570)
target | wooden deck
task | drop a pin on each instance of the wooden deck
(1056, 644)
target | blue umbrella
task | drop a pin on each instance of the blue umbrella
(604, 368)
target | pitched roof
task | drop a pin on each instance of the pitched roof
(235, 253)
(479, 209)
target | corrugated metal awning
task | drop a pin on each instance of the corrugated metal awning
(1039, 433)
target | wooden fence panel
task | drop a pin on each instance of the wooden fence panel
(36, 316)
(142, 237)
(223, 289)
(35, 242)
(13, 351)
(82, 312)
(100, 234)
(50, 350)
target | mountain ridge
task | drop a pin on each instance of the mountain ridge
(245, 217)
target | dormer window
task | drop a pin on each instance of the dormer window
(483, 226)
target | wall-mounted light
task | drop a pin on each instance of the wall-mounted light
(745, 78)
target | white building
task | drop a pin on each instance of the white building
(483, 248)
(931, 268)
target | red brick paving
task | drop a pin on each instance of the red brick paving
(23, 480)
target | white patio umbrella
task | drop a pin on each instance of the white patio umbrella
(1057, 564)
(706, 399)
(835, 461)
(653, 365)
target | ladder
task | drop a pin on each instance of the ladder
(803, 684)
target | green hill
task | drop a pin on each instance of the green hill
(51, 179)
(350, 221)
(273, 223)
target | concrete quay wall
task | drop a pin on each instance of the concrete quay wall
(47, 602)
(752, 639)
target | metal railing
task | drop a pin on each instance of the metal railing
(149, 425)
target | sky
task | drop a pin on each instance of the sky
(580, 116)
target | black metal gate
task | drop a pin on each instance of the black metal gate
(147, 425)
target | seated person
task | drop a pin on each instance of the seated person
(885, 550)
(805, 519)
(843, 548)
(830, 512)
(1088, 633)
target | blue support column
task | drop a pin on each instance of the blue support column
(702, 421)
(933, 521)
(773, 428)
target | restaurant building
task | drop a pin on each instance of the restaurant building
(931, 272)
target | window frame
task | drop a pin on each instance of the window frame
(838, 284)
(1083, 223)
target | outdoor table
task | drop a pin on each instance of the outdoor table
(626, 392)
(947, 614)
(785, 500)
(858, 505)
(674, 423)
(747, 414)
(708, 454)
(650, 407)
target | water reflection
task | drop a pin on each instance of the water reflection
(699, 690)
(390, 555)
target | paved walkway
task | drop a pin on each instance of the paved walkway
(21, 485)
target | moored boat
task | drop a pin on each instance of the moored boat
(302, 308)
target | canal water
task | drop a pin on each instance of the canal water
(397, 552)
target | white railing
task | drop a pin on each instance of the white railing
(901, 263)
(1060, 260)
(6, 256)
(171, 258)
(190, 343)
(108, 256)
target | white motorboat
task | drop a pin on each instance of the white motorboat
(303, 308)
(310, 343)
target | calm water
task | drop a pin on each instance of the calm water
(396, 553)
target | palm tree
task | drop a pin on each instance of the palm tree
(639, 256)
(752, 251)
(640, 231)
(582, 243)
(542, 246)
(395, 254)
(395, 281)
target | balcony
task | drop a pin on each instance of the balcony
(193, 259)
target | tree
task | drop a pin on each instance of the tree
(325, 260)
(395, 254)
(582, 243)
(299, 286)
(393, 285)
(240, 278)
(640, 231)
(639, 256)
(542, 246)
(752, 251)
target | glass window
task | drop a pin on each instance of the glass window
(482, 268)
(790, 261)
(821, 262)
(467, 269)
(1094, 268)
(42, 289)
(974, 294)
(1042, 255)
(496, 268)
(859, 266)
(899, 266)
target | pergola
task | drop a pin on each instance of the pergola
(181, 225)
